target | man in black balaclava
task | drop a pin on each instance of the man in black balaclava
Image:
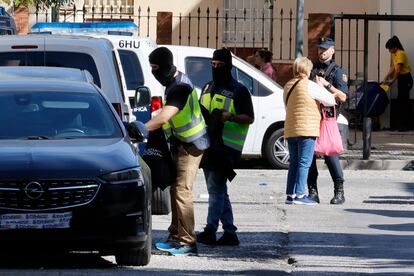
(227, 108)
(221, 66)
(184, 126)
(163, 69)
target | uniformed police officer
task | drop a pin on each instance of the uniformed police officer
(335, 80)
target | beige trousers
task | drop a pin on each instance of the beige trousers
(187, 161)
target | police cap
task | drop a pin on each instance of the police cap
(326, 43)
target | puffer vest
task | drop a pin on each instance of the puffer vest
(302, 112)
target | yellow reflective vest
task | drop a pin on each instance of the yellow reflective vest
(234, 134)
(188, 124)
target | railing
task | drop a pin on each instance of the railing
(202, 27)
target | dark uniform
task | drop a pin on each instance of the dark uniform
(338, 77)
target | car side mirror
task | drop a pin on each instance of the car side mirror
(137, 131)
(142, 97)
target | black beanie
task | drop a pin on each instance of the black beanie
(224, 55)
(161, 57)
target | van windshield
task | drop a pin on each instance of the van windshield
(54, 59)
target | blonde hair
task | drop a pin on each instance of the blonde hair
(302, 67)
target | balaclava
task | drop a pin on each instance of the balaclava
(164, 59)
(222, 75)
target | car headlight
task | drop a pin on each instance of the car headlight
(125, 176)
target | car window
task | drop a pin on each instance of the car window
(55, 115)
(263, 91)
(53, 59)
(198, 70)
(132, 69)
(243, 78)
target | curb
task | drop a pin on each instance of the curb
(394, 165)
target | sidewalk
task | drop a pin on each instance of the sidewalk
(390, 150)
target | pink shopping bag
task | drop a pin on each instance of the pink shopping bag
(329, 142)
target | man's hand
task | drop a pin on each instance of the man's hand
(167, 112)
(239, 118)
(225, 115)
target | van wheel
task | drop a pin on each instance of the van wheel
(161, 201)
(276, 150)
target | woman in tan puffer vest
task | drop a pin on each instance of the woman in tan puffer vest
(302, 99)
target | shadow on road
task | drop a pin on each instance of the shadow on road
(53, 260)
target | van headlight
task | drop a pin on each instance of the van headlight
(125, 176)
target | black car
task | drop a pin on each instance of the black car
(70, 173)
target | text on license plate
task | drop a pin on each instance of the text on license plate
(35, 221)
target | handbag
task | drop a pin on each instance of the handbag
(158, 157)
(329, 142)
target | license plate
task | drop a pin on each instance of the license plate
(35, 221)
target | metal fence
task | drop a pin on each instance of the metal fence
(243, 28)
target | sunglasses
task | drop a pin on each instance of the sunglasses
(217, 64)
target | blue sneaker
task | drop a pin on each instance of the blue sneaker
(289, 200)
(185, 249)
(304, 201)
(166, 246)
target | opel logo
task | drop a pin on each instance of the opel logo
(34, 190)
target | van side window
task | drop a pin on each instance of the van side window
(198, 70)
(132, 69)
(54, 59)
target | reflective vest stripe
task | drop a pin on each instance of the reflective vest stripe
(188, 124)
(232, 135)
(227, 104)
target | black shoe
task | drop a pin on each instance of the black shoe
(314, 197)
(208, 237)
(228, 239)
(313, 192)
(339, 197)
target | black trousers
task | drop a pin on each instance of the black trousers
(335, 170)
(405, 83)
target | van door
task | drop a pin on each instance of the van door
(134, 78)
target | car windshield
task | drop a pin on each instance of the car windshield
(56, 115)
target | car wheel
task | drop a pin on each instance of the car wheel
(138, 256)
(134, 256)
(161, 201)
(276, 150)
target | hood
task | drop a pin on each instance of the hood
(64, 159)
